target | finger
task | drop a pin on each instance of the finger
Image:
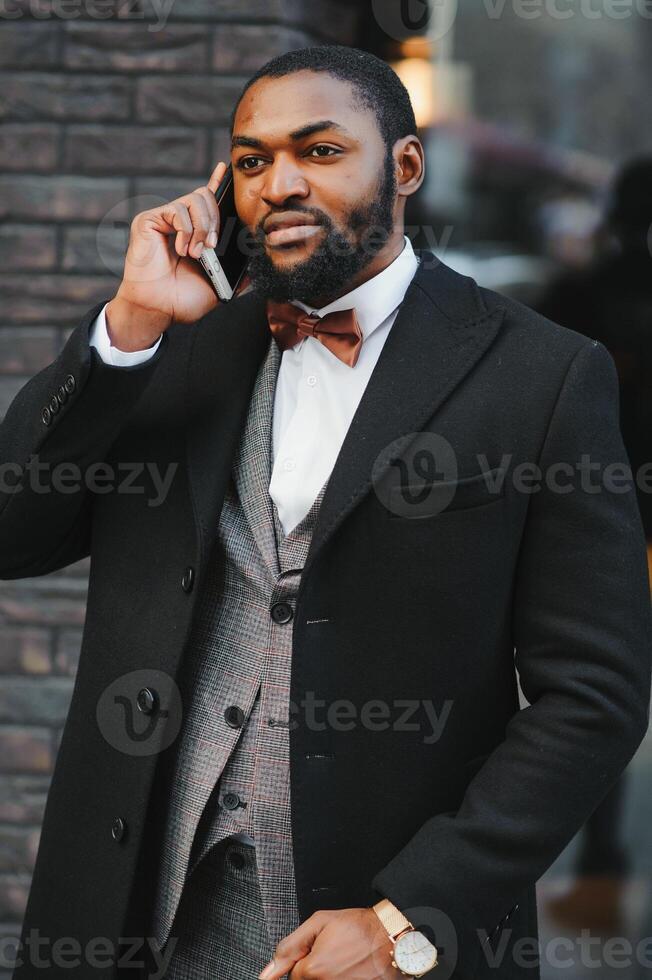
(216, 176)
(280, 967)
(213, 216)
(177, 217)
(307, 967)
(294, 947)
(200, 217)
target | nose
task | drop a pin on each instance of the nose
(284, 180)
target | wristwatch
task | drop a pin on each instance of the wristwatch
(413, 954)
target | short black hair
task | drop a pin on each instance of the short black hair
(377, 86)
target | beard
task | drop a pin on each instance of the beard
(337, 259)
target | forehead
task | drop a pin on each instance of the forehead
(273, 107)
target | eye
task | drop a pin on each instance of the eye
(241, 163)
(330, 151)
(322, 146)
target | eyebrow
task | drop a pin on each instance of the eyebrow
(295, 135)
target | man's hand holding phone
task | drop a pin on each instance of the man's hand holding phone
(163, 282)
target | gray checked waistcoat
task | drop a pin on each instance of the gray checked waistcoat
(230, 768)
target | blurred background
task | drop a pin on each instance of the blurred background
(537, 124)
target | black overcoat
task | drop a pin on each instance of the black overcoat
(402, 603)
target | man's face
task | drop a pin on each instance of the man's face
(338, 177)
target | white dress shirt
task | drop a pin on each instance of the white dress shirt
(316, 394)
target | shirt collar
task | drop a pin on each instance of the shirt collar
(378, 297)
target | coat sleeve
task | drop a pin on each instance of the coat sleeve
(42, 530)
(582, 634)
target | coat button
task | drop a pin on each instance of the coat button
(188, 579)
(46, 415)
(147, 701)
(118, 828)
(236, 858)
(62, 395)
(70, 383)
(54, 405)
(234, 716)
(231, 801)
(281, 612)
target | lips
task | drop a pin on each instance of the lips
(287, 229)
(287, 220)
(292, 234)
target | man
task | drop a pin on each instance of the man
(354, 551)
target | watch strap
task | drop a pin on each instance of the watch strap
(392, 918)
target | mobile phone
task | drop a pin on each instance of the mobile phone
(226, 264)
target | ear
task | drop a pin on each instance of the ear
(410, 164)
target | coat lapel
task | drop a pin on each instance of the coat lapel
(442, 329)
(228, 349)
(252, 465)
(440, 332)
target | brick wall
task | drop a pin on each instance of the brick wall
(97, 113)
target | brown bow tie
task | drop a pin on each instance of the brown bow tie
(339, 330)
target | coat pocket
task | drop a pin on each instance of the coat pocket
(416, 501)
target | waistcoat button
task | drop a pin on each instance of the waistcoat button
(281, 612)
(236, 858)
(234, 716)
(231, 801)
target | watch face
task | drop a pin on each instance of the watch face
(414, 953)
